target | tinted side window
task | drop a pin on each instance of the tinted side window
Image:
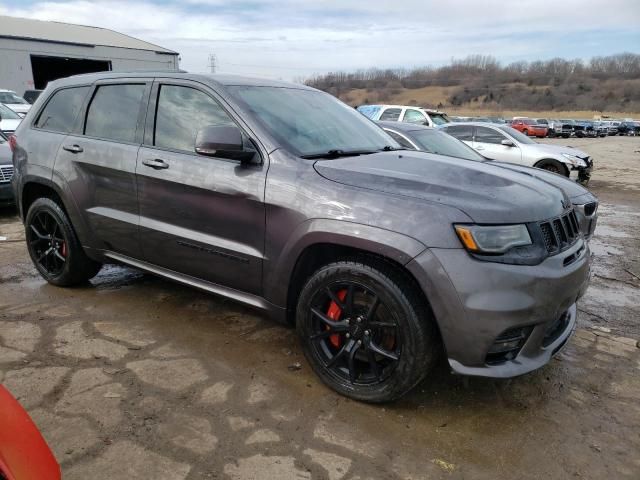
(391, 114)
(461, 132)
(400, 139)
(488, 135)
(60, 112)
(414, 116)
(181, 113)
(113, 112)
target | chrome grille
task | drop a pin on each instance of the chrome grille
(560, 233)
(6, 172)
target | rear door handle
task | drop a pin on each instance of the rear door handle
(73, 148)
(479, 148)
(156, 163)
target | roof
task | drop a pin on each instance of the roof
(415, 107)
(216, 80)
(70, 34)
(404, 126)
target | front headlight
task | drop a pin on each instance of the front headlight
(493, 239)
(573, 160)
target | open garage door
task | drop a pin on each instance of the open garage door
(45, 68)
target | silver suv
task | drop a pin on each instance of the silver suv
(283, 198)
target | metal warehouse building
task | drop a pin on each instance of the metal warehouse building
(34, 52)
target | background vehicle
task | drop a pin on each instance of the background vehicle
(500, 142)
(9, 120)
(31, 95)
(284, 198)
(14, 102)
(529, 127)
(601, 129)
(403, 113)
(24, 454)
(629, 128)
(6, 172)
(612, 127)
(432, 140)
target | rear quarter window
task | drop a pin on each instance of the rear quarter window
(60, 112)
(391, 114)
(461, 132)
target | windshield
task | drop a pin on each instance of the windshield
(11, 98)
(519, 137)
(433, 141)
(309, 122)
(439, 118)
(7, 114)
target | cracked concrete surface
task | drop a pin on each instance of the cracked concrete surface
(134, 377)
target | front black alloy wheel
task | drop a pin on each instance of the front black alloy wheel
(366, 331)
(54, 247)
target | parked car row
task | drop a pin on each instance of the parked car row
(281, 197)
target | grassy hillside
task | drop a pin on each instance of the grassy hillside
(435, 97)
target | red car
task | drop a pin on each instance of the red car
(24, 454)
(530, 127)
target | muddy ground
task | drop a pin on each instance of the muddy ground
(134, 377)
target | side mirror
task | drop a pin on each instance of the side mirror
(507, 143)
(223, 141)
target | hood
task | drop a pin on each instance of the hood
(9, 124)
(18, 107)
(573, 189)
(487, 193)
(555, 149)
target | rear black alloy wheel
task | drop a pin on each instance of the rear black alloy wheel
(365, 331)
(45, 238)
(54, 247)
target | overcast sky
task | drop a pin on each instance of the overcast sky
(296, 38)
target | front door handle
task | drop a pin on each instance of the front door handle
(73, 148)
(479, 148)
(155, 163)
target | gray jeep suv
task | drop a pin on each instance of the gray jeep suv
(285, 199)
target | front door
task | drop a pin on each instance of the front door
(199, 216)
(488, 142)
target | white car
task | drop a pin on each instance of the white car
(9, 120)
(404, 113)
(503, 143)
(15, 102)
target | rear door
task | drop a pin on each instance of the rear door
(98, 163)
(488, 142)
(200, 216)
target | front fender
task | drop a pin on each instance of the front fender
(395, 246)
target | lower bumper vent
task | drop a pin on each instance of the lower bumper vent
(507, 346)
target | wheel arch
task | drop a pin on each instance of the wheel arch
(548, 159)
(339, 241)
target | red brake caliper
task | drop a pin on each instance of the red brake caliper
(334, 313)
(63, 250)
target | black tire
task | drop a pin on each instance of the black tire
(553, 166)
(525, 132)
(415, 341)
(48, 229)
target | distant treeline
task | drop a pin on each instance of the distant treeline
(602, 83)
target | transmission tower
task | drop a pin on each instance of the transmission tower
(212, 62)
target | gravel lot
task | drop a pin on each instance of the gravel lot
(134, 377)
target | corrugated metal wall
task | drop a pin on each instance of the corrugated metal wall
(15, 59)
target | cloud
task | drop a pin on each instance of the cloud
(294, 38)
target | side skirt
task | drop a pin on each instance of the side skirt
(275, 312)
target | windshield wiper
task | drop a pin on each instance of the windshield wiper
(389, 148)
(338, 153)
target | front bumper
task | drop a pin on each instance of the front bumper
(475, 302)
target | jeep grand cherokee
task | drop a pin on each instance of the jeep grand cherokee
(281, 197)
